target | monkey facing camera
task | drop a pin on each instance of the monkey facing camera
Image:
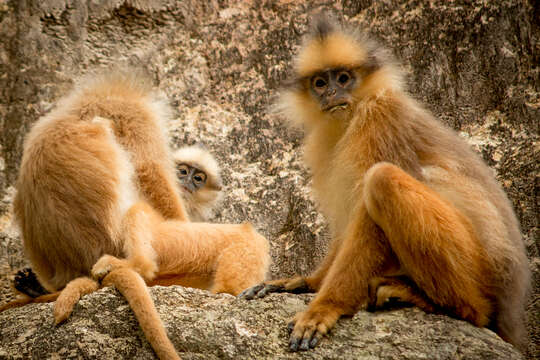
(415, 215)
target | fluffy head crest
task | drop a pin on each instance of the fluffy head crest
(327, 46)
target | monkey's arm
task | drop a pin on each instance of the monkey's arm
(159, 188)
(345, 287)
(297, 284)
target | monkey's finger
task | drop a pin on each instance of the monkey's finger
(300, 343)
(268, 289)
(315, 339)
(291, 325)
(251, 293)
(309, 340)
(306, 339)
(300, 337)
(294, 343)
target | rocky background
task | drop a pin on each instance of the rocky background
(475, 64)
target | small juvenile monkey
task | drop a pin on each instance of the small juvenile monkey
(413, 212)
(200, 186)
(200, 180)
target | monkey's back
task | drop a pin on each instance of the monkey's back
(449, 166)
(66, 195)
(464, 179)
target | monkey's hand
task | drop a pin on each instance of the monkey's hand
(296, 285)
(307, 328)
(140, 264)
(106, 264)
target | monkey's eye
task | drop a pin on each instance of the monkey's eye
(199, 178)
(319, 83)
(343, 78)
(182, 170)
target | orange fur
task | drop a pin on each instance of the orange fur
(97, 194)
(403, 196)
(83, 166)
(224, 258)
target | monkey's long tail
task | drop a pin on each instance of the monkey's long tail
(134, 289)
(25, 299)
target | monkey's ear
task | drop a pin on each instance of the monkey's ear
(372, 64)
(322, 25)
(294, 83)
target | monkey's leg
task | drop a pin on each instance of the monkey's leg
(433, 241)
(137, 225)
(388, 291)
(70, 295)
(137, 237)
(344, 290)
(297, 284)
(240, 265)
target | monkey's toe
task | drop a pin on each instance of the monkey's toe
(309, 327)
(250, 293)
(308, 338)
(260, 291)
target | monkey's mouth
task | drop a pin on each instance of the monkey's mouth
(338, 107)
(186, 189)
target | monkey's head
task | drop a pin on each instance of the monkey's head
(199, 178)
(335, 69)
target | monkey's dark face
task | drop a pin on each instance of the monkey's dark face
(332, 89)
(191, 178)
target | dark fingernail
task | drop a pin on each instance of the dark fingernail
(290, 326)
(314, 342)
(293, 344)
(304, 345)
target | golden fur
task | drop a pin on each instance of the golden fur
(413, 212)
(97, 182)
(78, 178)
(200, 203)
(223, 258)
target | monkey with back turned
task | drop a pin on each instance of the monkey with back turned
(414, 214)
(200, 184)
(98, 199)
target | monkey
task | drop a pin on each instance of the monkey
(87, 166)
(77, 177)
(223, 258)
(414, 214)
(200, 186)
(200, 180)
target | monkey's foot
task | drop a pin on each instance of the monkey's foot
(307, 328)
(105, 265)
(27, 283)
(70, 295)
(297, 285)
(394, 292)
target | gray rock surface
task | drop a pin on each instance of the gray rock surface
(205, 326)
(475, 64)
